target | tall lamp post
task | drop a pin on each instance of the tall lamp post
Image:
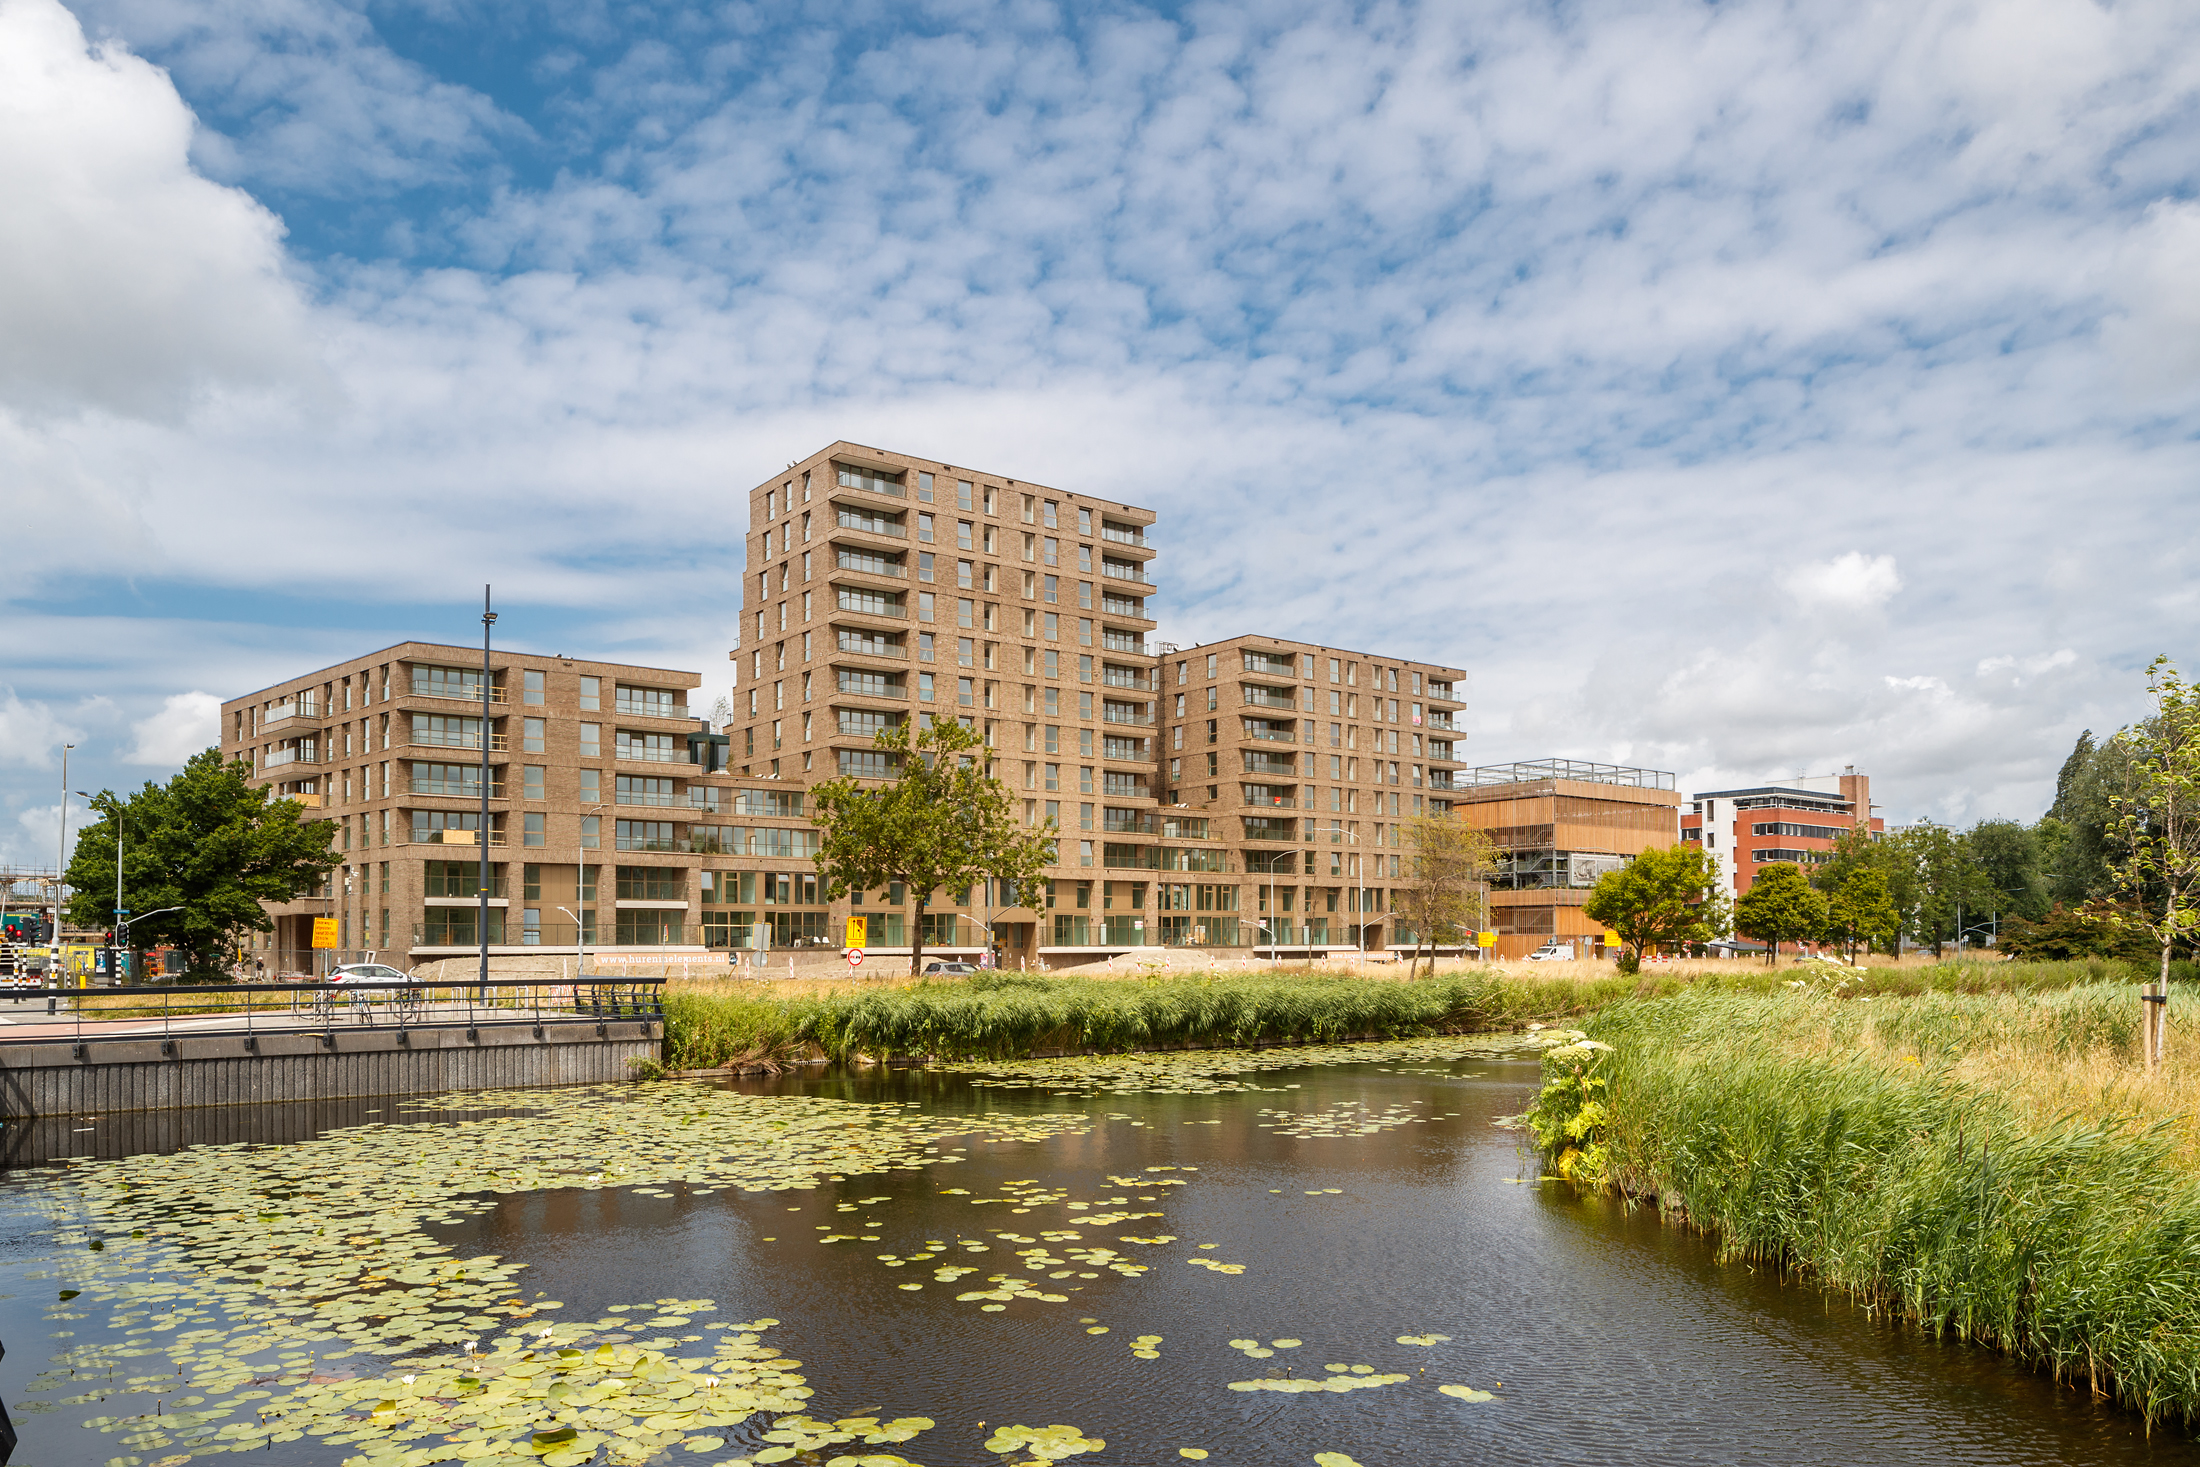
(60, 867)
(580, 889)
(122, 914)
(481, 920)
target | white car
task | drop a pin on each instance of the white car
(367, 973)
(1553, 952)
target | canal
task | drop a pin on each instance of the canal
(1169, 1257)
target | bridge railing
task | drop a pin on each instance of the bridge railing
(174, 1011)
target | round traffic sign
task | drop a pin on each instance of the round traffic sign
(855, 957)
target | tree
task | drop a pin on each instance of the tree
(1780, 907)
(1662, 898)
(1863, 908)
(1444, 891)
(2008, 856)
(2083, 816)
(2099, 929)
(2157, 812)
(942, 821)
(208, 842)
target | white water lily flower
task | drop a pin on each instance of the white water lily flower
(406, 1379)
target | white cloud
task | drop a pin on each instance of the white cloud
(1851, 582)
(128, 283)
(186, 724)
(31, 733)
(1615, 357)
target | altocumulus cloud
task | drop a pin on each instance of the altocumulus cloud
(1723, 386)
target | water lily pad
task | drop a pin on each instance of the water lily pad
(1466, 1393)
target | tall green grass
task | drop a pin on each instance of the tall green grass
(1896, 1151)
(1007, 1015)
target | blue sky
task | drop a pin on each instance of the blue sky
(1744, 390)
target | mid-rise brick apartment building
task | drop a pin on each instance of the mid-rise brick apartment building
(887, 586)
(1243, 794)
(1800, 821)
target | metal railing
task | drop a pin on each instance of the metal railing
(253, 1009)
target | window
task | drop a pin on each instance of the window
(963, 569)
(963, 529)
(963, 491)
(531, 832)
(531, 735)
(1050, 591)
(1084, 669)
(924, 687)
(925, 534)
(533, 781)
(924, 606)
(635, 789)
(591, 836)
(530, 688)
(924, 488)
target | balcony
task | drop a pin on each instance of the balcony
(1133, 714)
(1124, 642)
(847, 564)
(455, 692)
(1125, 677)
(1443, 721)
(283, 758)
(1271, 733)
(626, 707)
(1127, 751)
(1116, 534)
(1123, 606)
(1275, 830)
(1264, 664)
(296, 710)
(1440, 779)
(868, 524)
(461, 838)
(1127, 822)
(443, 789)
(867, 481)
(498, 743)
(863, 603)
(644, 754)
(1113, 789)
(1266, 698)
(1258, 763)
(1123, 570)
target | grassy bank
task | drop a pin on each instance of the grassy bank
(1987, 1160)
(713, 1023)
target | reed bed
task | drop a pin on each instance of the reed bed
(719, 1023)
(1987, 1162)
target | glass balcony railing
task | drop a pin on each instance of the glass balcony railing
(652, 754)
(1122, 534)
(870, 525)
(1271, 735)
(1123, 677)
(1262, 698)
(1441, 720)
(1130, 713)
(457, 691)
(296, 754)
(451, 789)
(1122, 570)
(469, 739)
(296, 708)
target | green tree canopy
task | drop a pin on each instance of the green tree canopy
(209, 842)
(943, 821)
(1780, 907)
(1662, 898)
(1862, 909)
(1447, 865)
(2157, 812)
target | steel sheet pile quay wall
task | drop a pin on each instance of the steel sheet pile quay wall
(312, 1052)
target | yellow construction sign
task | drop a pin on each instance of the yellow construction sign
(1485, 939)
(324, 932)
(857, 928)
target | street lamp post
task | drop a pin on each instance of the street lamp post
(121, 912)
(580, 889)
(488, 620)
(60, 867)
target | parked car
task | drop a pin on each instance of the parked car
(366, 973)
(949, 968)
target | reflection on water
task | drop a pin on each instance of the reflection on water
(1617, 1338)
(1368, 1203)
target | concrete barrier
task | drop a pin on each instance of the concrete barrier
(99, 1076)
